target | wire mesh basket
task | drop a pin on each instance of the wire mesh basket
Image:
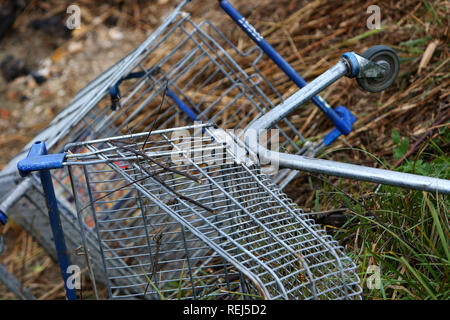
(152, 217)
(203, 76)
(184, 218)
(183, 71)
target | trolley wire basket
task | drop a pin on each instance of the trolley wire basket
(151, 206)
(204, 76)
(184, 71)
(178, 218)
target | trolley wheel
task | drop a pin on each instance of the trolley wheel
(386, 57)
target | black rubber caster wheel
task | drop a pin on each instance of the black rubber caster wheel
(386, 57)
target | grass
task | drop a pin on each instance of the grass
(404, 233)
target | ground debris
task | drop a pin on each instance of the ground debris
(311, 35)
(13, 68)
(53, 26)
(8, 14)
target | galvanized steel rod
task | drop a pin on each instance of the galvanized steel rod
(272, 117)
(329, 167)
(14, 285)
(13, 197)
(352, 171)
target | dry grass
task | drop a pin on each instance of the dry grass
(311, 36)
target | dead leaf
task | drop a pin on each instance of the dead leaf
(58, 54)
(427, 55)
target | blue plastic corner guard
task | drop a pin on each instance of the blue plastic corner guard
(3, 218)
(354, 64)
(38, 159)
(335, 133)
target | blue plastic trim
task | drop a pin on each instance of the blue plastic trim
(353, 64)
(183, 106)
(38, 159)
(347, 116)
(3, 218)
(341, 124)
(37, 163)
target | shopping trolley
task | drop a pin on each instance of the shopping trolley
(202, 227)
(193, 72)
(188, 213)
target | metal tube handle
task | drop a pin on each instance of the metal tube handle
(342, 122)
(13, 197)
(351, 65)
(363, 173)
(272, 117)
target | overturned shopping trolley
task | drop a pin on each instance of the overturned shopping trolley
(192, 215)
(184, 71)
(173, 225)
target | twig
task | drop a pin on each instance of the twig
(181, 196)
(416, 145)
(158, 239)
(158, 163)
(157, 117)
(326, 213)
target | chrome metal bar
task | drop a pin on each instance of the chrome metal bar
(14, 196)
(329, 167)
(14, 285)
(300, 97)
(352, 171)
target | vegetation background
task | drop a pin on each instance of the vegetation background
(402, 234)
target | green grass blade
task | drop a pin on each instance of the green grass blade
(438, 225)
(154, 287)
(181, 281)
(418, 277)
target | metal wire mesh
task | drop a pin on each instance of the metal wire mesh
(200, 66)
(183, 219)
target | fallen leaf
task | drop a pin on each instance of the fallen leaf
(427, 55)
(58, 54)
(11, 95)
(4, 113)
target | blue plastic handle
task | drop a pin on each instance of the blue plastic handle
(38, 159)
(342, 125)
(183, 106)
